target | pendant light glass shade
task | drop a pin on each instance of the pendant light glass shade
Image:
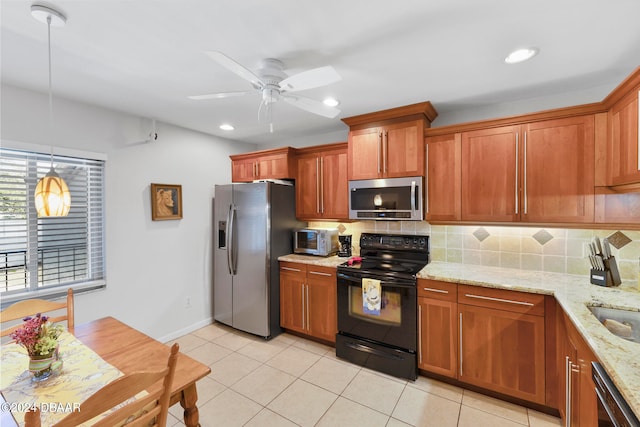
(52, 196)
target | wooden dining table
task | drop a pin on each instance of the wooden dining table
(129, 350)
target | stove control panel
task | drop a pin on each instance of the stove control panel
(400, 242)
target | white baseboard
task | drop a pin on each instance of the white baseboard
(184, 331)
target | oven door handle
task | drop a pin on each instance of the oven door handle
(370, 350)
(342, 277)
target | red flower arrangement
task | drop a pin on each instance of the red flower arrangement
(38, 336)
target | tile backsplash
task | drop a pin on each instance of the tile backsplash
(556, 250)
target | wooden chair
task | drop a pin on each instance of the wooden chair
(29, 307)
(149, 410)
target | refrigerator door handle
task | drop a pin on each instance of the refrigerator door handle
(234, 241)
(232, 258)
(228, 237)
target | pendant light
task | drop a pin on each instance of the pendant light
(52, 197)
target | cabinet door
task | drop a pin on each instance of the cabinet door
(308, 187)
(335, 185)
(437, 327)
(583, 399)
(438, 336)
(243, 170)
(558, 171)
(623, 149)
(502, 351)
(365, 156)
(322, 303)
(443, 175)
(490, 174)
(292, 296)
(273, 166)
(403, 149)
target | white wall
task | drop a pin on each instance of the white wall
(152, 266)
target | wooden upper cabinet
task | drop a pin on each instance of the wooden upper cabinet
(443, 178)
(365, 153)
(490, 160)
(623, 153)
(321, 183)
(558, 171)
(389, 143)
(267, 164)
(540, 172)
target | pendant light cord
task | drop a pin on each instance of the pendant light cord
(50, 91)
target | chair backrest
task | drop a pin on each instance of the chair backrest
(29, 307)
(150, 409)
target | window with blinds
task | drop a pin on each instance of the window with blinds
(45, 253)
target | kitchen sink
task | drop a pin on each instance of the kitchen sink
(620, 322)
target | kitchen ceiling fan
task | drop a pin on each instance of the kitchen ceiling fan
(274, 85)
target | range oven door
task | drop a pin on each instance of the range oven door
(395, 324)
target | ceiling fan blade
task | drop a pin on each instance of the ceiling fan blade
(220, 95)
(311, 105)
(310, 79)
(235, 67)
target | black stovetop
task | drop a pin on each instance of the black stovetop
(391, 255)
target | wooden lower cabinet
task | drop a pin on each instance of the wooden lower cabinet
(308, 300)
(437, 327)
(578, 401)
(502, 341)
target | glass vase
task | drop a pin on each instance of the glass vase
(41, 365)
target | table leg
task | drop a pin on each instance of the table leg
(188, 399)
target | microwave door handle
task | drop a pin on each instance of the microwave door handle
(413, 196)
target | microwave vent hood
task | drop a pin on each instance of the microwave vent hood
(386, 199)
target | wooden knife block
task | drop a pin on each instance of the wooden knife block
(610, 276)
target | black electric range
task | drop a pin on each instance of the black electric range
(383, 336)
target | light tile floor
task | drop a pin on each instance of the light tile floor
(290, 381)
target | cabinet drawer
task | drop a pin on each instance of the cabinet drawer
(314, 271)
(292, 267)
(518, 302)
(436, 289)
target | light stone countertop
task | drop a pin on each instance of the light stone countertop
(331, 261)
(621, 358)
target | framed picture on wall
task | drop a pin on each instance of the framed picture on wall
(166, 202)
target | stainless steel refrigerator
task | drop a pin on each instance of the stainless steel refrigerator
(253, 226)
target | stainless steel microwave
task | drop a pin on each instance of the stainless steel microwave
(314, 241)
(386, 199)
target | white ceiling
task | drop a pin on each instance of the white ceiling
(146, 56)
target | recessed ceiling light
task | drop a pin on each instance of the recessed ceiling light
(226, 126)
(521, 55)
(331, 102)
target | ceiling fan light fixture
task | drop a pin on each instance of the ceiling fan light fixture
(331, 102)
(227, 126)
(521, 55)
(51, 196)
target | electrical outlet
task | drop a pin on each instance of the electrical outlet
(187, 302)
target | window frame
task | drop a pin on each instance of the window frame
(56, 291)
